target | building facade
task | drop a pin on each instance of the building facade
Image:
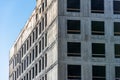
(69, 40)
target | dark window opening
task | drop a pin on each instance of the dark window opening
(97, 28)
(45, 60)
(36, 50)
(25, 48)
(33, 36)
(27, 61)
(73, 48)
(30, 75)
(74, 72)
(36, 32)
(42, 24)
(97, 6)
(45, 20)
(42, 6)
(33, 54)
(98, 73)
(73, 26)
(46, 40)
(36, 17)
(117, 73)
(117, 28)
(36, 69)
(40, 47)
(42, 63)
(73, 5)
(30, 58)
(98, 50)
(30, 41)
(40, 28)
(39, 66)
(116, 7)
(45, 76)
(117, 50)
(27, 44)
(42, 43)
(33, 73)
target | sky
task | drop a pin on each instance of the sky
(13, 16)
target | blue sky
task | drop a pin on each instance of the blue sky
(13, 16)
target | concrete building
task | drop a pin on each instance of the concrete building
(69, 40)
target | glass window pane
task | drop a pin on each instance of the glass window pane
(73, 5)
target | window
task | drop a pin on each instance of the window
(45, 76)
(45, 60)
(36, 69)
(27, 76)
(36, 32)
(22, 67)
(40, 10)
(117, 28)
(30, 75)
(19, 69)
(42, 6)
(33, 55)
(73, 48)
(33, 36)
(39, 46)
(39, 66)
(97, 6)
(15, 75)
(117, 73)
(24, 64)
(74, 72)
(42, 24)
(116, 7)
(97, 27)
(32, 72)
(22, 51)
(45, 3)
(45, 39)
(25, 48)
(36, 50)
(36, 17)
(98, 73)
(42, 78)
(45, 20)
(30, 59)
(30, 41)
(42, 63)
(73, 5)
(98, 50)
(73, 26)
(24, 78)
(27, 61)
(117, 50)
(42, 43)
(27, 44)
(40, 28)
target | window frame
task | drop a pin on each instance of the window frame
(115, 11)
(98, 55)
(100, 11)
(117, 73)
(100, 76)
(94, 25)
(117, 55)
(73, 54)
(116, 33)
(73, 8)
(74, 75)
(73, 24)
